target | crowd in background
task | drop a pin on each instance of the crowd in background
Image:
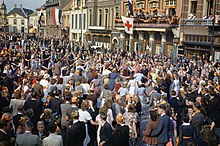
(54, 93)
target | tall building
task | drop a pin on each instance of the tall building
(155, 26)
(38, 21)
(53, 30)
(78, 23)
(3, 17)
(200, 36)
(101, 14)
(18, 19)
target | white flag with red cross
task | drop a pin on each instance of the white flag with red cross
(128, 23)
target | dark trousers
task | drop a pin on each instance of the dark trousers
(161, 144)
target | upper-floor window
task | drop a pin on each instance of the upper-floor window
(116, 11)
(22, 22)
(193, 8)
(15, 21)
(100, 17)
(140, 5)
(90, 17)
(170, 2)
(154, 4)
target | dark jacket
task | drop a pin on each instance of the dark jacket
(197, 121)
(187, 131)
(76, 134)
(106, 133)
(162, 130)
(120, 137)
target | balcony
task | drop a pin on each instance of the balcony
(100, 28)
(151, 22)
(198, 22)
(199, 27)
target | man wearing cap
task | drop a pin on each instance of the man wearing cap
(162, 130)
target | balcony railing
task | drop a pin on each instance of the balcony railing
(151, 21)
(198, 22)
(102, 28)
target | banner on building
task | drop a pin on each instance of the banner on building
(128, 23)
(56, 15)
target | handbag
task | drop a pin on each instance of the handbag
(169, 143)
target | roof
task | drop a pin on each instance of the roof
(67, 7)
(21, 11)
(64, 3)
(3, 6)
(33, 14)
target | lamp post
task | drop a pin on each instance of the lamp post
(212, 35)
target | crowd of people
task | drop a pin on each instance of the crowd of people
(54, 93)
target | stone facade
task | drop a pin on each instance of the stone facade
(197, 27)
(18, 19)
(155, 26)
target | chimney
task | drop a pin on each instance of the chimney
(20, 5)
(15, 6)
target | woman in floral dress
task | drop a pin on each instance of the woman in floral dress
(130, 119)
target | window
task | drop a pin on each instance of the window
(80, 21)
(116, 12)
(170, 2)
(90, 17)
(22, 29)
(76, 18)
(84, 21)
(100, 17)
(15, 21)
(22, 22)
(106, 17)
(140, 5)
(154, 4)
(193, 7)
(72, 21)
(209, 7)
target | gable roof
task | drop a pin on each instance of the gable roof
(68, 6)
(21, 11)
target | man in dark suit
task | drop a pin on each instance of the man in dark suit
(76, 131)
(34, 104)
(4, 126)
(17, 117)
(106, 130)
(162, 130)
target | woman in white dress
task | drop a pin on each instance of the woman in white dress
(132, 84)
(84, 116)
(176, 84)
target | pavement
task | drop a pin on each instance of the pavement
(144, 120)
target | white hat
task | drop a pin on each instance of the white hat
(42, 72)
(46, 76)
(54, 77)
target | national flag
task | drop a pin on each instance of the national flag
(128, 23)
(56, 15)
(130, 5)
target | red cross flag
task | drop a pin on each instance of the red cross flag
(128, 23)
